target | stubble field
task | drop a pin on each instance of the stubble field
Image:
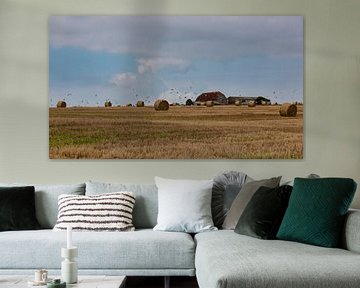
(182, 132)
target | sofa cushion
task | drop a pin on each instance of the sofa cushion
(17, 208)
(225, 189)
(225, 259)
(317, 209)
(142, 249)
(184, 205)
(105, 212)
(263, 215)
(243, 198)
(146, 205)
(46, 200)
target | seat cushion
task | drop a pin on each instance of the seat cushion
(226, 259)
(143, 249)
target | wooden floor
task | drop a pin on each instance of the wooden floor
(158, 282)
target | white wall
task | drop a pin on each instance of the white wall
(332, 92)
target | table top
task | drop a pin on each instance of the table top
(84, 281)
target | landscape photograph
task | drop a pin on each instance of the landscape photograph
(176, 87)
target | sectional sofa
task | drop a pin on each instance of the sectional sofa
(219, 259)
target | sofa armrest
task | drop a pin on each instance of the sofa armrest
(351, 232)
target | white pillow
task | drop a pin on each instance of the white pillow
(105, 212)
(184, 205)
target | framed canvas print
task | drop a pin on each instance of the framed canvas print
(176, 87)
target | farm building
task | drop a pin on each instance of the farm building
(243, 100)
(262, 101)
(215, 96)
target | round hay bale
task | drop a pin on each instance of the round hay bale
(288, 110)
(202, 103)
(161, 105)
(108, 104)
(140, 104)
(129, 105)
(209, 103)
(251, 104)
(237, 103)
(61, 104)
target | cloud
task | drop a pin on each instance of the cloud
(124, 79)
(137, 86)
(146, 82)
(192, 37)
(156, 64)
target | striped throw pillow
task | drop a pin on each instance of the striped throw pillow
(105, 212)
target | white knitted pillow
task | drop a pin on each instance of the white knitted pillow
(105, 212)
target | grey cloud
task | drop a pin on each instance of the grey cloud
(192, 37)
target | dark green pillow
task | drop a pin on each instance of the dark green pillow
(17, 208)
(316, 211)
(264, 212)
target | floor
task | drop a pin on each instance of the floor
(158, 282)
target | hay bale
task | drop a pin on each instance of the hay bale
(108, 104)
(209, 103)
(61, 104)
(237, 103)
(129, 105)
(252, 104)
(140, 104)
(288, 110)
(161, 105)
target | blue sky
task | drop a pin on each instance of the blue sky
(130, 58)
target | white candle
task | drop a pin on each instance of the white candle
(69, 237)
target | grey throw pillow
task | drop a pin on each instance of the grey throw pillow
(226, 187)
(243, 198)
(184, 205)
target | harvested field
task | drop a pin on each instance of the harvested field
(182, 132)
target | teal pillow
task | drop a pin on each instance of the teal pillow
(316, 211)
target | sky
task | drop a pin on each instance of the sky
(129, 58)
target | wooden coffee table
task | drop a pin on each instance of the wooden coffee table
(83, 282)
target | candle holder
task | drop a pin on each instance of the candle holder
(69, 271)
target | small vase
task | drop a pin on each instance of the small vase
(69, 271)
